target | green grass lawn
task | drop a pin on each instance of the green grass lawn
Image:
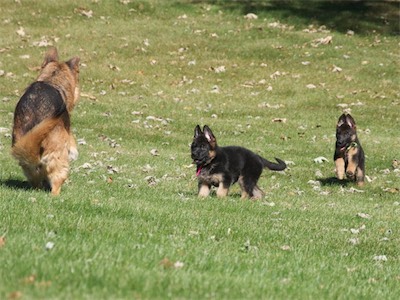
(128, 223)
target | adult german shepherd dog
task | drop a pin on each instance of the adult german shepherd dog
(42, 141)
(349, 155)
(223, 166)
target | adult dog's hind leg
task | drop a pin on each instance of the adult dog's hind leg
(57, 171)
(72, 150)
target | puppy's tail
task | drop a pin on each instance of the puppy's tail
(27, 150)
(280, 166)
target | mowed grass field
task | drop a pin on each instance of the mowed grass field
(128, 223)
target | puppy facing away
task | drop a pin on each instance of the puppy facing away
(349, 155)
(42, 141)
(223, 166)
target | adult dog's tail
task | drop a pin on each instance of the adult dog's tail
(280, 166)
(27, 150)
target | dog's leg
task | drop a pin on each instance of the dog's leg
(204, 190)
(245, 195)
(360, 176)
(57, 167)
(222, 190)
(257, 193)
(72, 151)
(339, 162)
(352, 163)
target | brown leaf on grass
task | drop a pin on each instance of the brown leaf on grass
(30, 279)
(83, 12)
(322, 41)
(154, 152)
(363, 216)
(91, 97)
(2, 241)
(21, 32)
(166, 263)
(391, 190)
(114, 68)
(311, 86)
(279, 120)
(14, 295)
(272, 106)
(251, 16)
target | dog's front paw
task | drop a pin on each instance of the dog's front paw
(73, 154)
(350, 175)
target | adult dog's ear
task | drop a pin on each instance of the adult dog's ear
(209, 136)
(197, 131)
(50, 56)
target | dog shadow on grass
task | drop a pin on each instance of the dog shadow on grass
(331, 181)
(16, 184)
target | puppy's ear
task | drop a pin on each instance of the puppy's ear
(350, 121)
(197, 131)
(209, 135)
(342, 120)
(50, 56)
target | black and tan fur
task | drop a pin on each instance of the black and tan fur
(223, 166)
(42, 141)
(349, 155)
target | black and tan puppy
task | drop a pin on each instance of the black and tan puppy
(349, 155)
(41, 140)
(223, 166)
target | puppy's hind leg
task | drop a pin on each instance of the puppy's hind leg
(257, 193)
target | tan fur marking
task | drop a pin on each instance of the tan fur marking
(222, 191)
(339, 168)
(360, 176)
(212, 154)
(351, 165)
(244, 195)
(204, 190)
(257, 193)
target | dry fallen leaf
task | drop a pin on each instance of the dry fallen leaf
(251, 16)
(320, 159)
(311, 86)
(154, 152)
(279, 120)
(380, 258)
(21, 32)
(14, 295)
(364, 216)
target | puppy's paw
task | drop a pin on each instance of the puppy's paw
(350, 175)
